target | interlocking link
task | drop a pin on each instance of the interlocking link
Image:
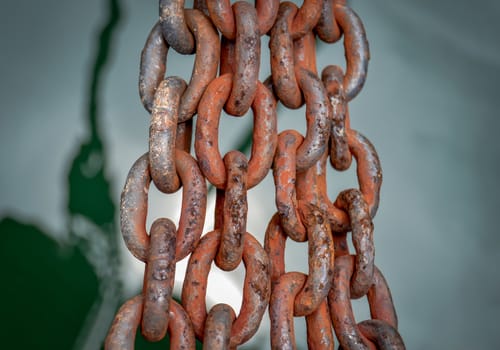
(226, 40)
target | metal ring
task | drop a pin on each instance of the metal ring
(134, 203)
(256, 290)
(264, 133)
(174, 28)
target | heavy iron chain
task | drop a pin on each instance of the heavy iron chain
(225, 76)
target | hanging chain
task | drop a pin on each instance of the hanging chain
(225, 77)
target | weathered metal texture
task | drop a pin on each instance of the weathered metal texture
(317, 119)
(158, 280)
(305, 212)
(321, 261)
(207, 132)
(369, 173)
(362, 237)
(162, 134)
(319, 329)
(382, 334)
(235, 209)
(356, 50)
(339, 300)
(133, 206)
(121, 335)
(282, 58)
(174, 27)
(154, 59)
(218, 327)
(256, 290)
(340, 156)
(306, 19)
(281, 308)
(223, 16)
(284, 172)
(205, 65)
(246, 60)
(327, 28)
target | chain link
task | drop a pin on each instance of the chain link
(299, 165)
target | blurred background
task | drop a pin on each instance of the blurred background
(72, 125)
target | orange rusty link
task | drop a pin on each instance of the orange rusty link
(321, 261)
(207, 130)
(369, 174)
(174, 28)
(304, 50)
(327, 28)
(223, 17)
(133, 206)
(274, 245)
(205, 64)
(158, 280)
(246, 60)
(183, 135)
(282, 58)
(382, 334)
(121, 335)
(154, 58)
(357, 52)
(281, 308)
(162, 134)
(217, 332)
(227, 56)
(256, 290)
(306, 18)
(339, 301)
(340, 156)
(380, 300)
(362, 237)
(319, 329)
(284, 173)
(317, 119)
(235, 209)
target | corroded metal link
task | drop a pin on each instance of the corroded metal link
(382, 334)
(256, 290)
(154, 58)
(218, 327)
(304, 51)
(282, 58)
(362, 237)
(356, 50)
(134, 199)
(311, 185)
(205, 63)
(158, 280)
(317, 119)
(306, 19)
(234, 224)
(162, 134)
(339, 302)
(369, 174)
(281, 308)
(246, 59)
(274, 245)
(174, 27)
(380, 300)
(321, 261)
(340, 156)
(202, 6)
(284, 173)
(327, 28)
(183, 135)
(121, 335)
(153, 66)
(223, 17)
(207, 125)
(319, 329)
(227, 56)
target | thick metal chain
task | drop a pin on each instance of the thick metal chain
(225, 76)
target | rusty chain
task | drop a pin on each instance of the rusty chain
(226, 41)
